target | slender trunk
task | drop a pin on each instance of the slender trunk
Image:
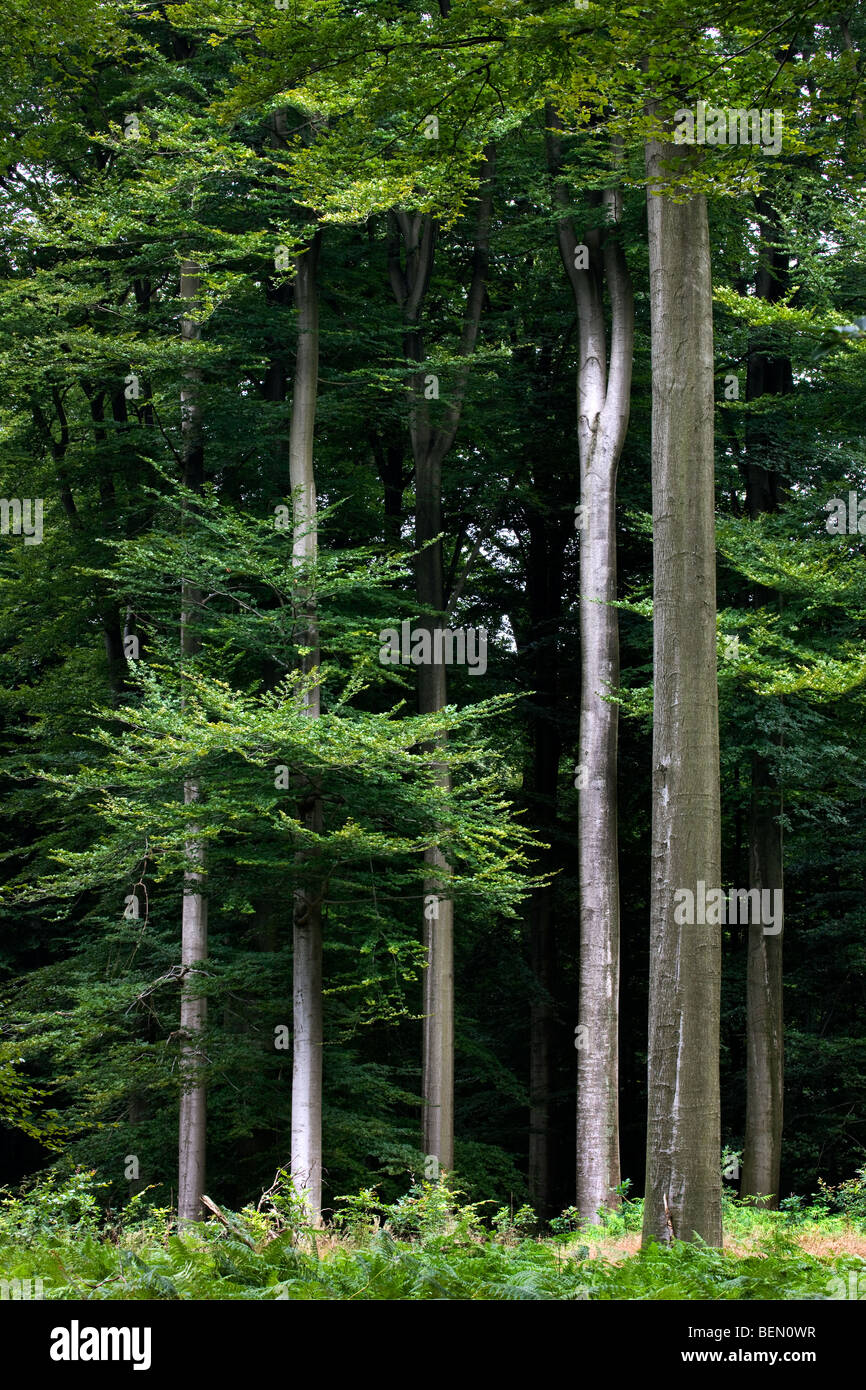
(603, 393)
(683, 1185)
(194, 944)
(544, 592)
(430, 446)
(762, 1155)
(762, 1150)
(306, 1163)
(409, 280)
(438, 1034)
(437, 1083)
(598, 1170)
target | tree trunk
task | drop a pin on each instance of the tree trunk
(602, 419)
(307, 906)
(603, 395)
(409, 281)
(762, 1155)
(683, 1185)
(547, 538)
(429, 448)
(762, 1150)
(437, 1084)
(438, 1035)
(193, 1004)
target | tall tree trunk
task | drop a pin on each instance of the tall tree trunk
(437, 1082)
(194, 944)
(409, 276)
(429, 447)
(603, 398)
(683, 1186)
(547, 539)
(438, 1028)
(307, 906)
(762, 1154)
(762, 1150)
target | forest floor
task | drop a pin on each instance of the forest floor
(58, 1241)
(812, 1240)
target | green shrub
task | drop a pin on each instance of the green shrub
(427, 1245)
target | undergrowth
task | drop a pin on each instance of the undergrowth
(427, 1245)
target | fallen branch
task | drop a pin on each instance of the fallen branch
(230, 1226)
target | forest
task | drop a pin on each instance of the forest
(432, 660)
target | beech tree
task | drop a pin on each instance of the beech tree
(603, 391)
(683, 1187)
(431, 444)
(307, 911)
(762, 1144)
(192, 1122)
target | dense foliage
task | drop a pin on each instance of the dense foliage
(136, 138)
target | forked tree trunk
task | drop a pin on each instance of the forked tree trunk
(603, 398)
(683, 1185)
(602, 420)
(306, 1163)
(194, 944)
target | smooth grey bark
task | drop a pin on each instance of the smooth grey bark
(544, 574)
(683, 1182)
(307, 1001)
(306, 1162)
(409, 276)
(603, 399)
(194, 939)
(762, 1149)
